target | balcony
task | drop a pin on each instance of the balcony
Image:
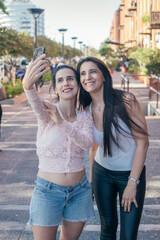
(155, 20)
(130, 14)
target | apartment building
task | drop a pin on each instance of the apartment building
(20, 19)
(136, 23)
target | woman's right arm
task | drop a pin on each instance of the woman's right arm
(2, 92)
(34, 71)
(92, 153)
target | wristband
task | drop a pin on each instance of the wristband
(134, 180)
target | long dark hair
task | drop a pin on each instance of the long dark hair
(115, 107)
(62, 67)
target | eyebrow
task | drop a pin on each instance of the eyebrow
(67, 77)
(59, 78)
(90, 69)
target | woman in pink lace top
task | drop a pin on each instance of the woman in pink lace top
(62, 193)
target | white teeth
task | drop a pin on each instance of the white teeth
(89, 83)
(67, 90)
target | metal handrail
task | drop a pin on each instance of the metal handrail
(154, 90)
(123, 81)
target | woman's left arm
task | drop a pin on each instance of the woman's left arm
(82, 133)
(142, 144)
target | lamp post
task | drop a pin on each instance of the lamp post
(35, 13)
(84, 49)
(74, 45)
(62, 31)
(80, 44)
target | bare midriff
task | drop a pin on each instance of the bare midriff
(63, 179)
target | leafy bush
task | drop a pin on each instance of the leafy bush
(141, 56)
(154, 64)
(146, 19)
(13, 91)
(111, 63)
(133, 66)
(47, 77)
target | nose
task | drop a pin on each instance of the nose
(88, 75)
(65, 82)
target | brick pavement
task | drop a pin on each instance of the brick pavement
(18, 163)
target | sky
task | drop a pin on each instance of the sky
(88, 20)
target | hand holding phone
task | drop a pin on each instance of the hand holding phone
(38, 52)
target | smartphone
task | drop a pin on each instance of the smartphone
(38, 52)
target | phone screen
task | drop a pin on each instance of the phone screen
(38, 52)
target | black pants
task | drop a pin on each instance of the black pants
(107, 184)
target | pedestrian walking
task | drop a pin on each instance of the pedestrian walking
(2, 97)
(62, 192)
(118, 153)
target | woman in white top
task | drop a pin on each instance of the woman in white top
(119, 149)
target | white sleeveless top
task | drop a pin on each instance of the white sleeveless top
(121, 160)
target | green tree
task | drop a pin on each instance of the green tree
(153, 66)
(106, 50)
(141, 56)
(3, 7)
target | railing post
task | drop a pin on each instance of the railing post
(121, 81)
(150, 86)
(127, 84)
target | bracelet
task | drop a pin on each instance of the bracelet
(134, 180)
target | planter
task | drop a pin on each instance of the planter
(20, 98)
(17, 99)
(111, 70)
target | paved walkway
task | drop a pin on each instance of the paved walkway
(19, 162)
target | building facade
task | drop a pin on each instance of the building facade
(137, 23)
(20, 19)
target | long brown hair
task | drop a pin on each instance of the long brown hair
(115, 107)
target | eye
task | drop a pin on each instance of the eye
(82, 73)
(59, 80)
(70, 78)
(93, 71)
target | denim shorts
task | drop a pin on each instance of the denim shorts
(51, 203)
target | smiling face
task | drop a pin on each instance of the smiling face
(66, 84)
(91, 77)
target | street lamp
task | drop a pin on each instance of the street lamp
(62, 31)
(35, 13)
(80, 44)
(84, 49)
(74, 45)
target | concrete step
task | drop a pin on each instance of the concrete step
(9, 226)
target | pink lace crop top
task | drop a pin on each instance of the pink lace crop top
(61, 148)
